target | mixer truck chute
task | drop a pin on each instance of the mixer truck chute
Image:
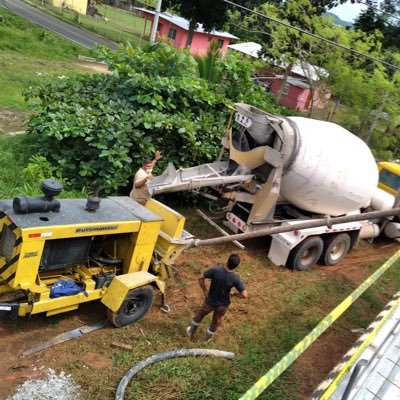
(284, 170)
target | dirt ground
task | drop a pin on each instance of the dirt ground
(12, 121)
(95, 67)
(22, 334)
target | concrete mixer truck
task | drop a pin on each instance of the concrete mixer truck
(286, 170)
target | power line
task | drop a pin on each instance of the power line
(314, 36)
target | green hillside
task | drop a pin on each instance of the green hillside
(338, 21)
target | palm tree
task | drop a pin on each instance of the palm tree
(209, 66)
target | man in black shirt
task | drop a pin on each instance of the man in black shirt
(217, 299)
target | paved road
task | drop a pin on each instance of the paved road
(80, 36)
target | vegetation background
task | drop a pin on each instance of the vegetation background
(87, 127)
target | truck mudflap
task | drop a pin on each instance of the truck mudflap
(283, 243)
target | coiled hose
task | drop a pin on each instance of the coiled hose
(119, 395)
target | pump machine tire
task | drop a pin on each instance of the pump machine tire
(306, 254)
(335, 248)
(135, 306)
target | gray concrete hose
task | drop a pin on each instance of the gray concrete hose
(119, 395)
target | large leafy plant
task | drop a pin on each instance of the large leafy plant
(98, 128)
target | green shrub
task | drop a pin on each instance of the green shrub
(98, 128)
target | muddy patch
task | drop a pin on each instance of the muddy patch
(13, 121)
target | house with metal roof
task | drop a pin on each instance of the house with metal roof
(175, 29)
(297, 93)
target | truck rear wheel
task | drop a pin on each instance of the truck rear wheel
(135, 306)
(306, 254)
(335, 249)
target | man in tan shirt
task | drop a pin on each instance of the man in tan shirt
(139, 191)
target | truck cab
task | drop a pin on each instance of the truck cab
(389, 177)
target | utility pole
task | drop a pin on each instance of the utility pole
(155, 22)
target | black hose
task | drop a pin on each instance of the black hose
(119, 395)
(108, 261)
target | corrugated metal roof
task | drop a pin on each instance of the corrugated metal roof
(249, 48)
(309, 71)
(303, 69)
(184, 23)
(298, 83)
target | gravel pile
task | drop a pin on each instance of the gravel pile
(52, 387)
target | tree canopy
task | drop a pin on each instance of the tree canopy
(368, 89)
(385, 19)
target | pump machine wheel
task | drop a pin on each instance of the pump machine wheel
(135, 306)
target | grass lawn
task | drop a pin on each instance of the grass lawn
(19, 72)
(12, 154)
(283, 307)
(30, 55)
(125, 20)
(122, 26)
(15, 153)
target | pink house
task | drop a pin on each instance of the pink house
(297, 94)
(175, 29)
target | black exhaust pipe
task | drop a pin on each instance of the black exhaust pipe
(46, 203)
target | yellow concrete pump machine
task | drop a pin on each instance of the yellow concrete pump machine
(117, 252)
